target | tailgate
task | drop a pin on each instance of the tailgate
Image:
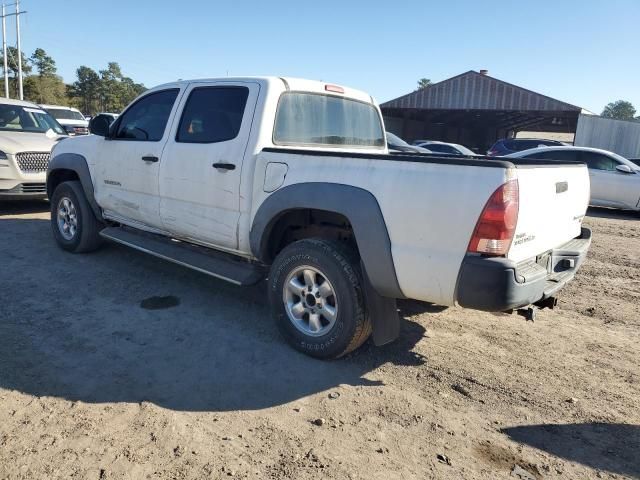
(553, 202)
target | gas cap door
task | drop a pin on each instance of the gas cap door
(274, 175)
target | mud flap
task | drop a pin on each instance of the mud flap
(383, 313)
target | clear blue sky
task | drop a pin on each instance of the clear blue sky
(584, 52)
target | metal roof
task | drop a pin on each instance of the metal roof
(474, 91)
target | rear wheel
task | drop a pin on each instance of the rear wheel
(74, 225)
(316, 298)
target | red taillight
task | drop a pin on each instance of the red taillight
(497, 223)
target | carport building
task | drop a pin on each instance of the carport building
(475, 110)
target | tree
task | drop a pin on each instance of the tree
(105, 91)
(110, 88)
(12, 65)
(85, 92)
(423, 83)
(130, 90)
(45, 89)
(620, 109)
(45, 65)
(46, 86)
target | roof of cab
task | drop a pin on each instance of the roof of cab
(287, 83)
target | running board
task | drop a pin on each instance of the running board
(211, 262)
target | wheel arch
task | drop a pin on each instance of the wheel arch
(358, 206)
(72, 166)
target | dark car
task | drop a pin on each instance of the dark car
(396, 144)
(507, 146)
(635, 160)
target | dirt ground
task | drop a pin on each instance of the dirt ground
(97, 383)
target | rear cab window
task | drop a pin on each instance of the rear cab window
(313, 119)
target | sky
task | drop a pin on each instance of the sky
(584, 52)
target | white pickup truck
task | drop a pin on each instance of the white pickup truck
(291, 180)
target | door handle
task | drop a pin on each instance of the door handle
(224, 166)
(150, 158)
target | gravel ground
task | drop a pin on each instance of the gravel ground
(98, 380)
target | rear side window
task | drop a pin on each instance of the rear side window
(146, 119)
(212, 114)
(597, 161)
(315, 119)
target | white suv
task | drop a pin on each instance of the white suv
(70, 118)
(27, 135)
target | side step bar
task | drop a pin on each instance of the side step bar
(211, 262)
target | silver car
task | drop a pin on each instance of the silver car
(615, 181)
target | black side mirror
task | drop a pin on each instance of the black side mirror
(69, 129)
(99, 126)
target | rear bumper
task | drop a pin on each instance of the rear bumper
(499, 284)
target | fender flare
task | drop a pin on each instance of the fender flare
(78, 164)
(359, 206)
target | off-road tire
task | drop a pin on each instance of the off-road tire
(340, 265)
(86, 237)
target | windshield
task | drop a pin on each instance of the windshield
(395, 140)
(314, 119)
(16, 118)
(64, 114)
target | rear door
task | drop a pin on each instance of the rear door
(202, 162)
(610, 187)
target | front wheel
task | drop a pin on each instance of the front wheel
(74, 225)
(317, 299)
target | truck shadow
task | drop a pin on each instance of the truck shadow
(79, 327)
(612, 447)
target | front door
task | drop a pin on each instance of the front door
(610, 187)
(202, 162)
(129, 160)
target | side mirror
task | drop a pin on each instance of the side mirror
(69, 129)
(99, 126)
(624, 168)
